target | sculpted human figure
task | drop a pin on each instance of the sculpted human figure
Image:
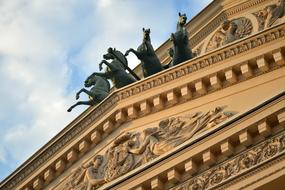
(87, 177)
(119, 159)
(227, 34)
(274, 12)
(157, 141)
(145, 52)
(230, 29)
(93, 177)
(174, 131)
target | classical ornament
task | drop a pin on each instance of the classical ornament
(145, 52)
(133, 149)
(229, 32)
(87, 177)
(270, 15)
(180, 50)
(197, 51)
(116, 69)
(240, 164)
(97, 93)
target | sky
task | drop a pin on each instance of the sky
(49, 47)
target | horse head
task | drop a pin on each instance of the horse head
(182, 19)
(146, 34)
(109, 55)
(90, 81)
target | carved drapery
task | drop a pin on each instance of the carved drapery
(230, 31)
(236, 166)
(270, 15)
(133, 149)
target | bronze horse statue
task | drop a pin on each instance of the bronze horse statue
(181, 50)
(145, 52)
(97, 93)
(116, 69)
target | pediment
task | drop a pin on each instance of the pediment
(139, 125)
(133, 148)
(207, 32)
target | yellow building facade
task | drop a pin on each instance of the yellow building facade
(213, 122)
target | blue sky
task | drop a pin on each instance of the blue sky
(49, 47)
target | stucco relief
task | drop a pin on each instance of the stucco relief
(270, 15)
(236, 166)
(133, 149)
(229, 31)
(197, 51)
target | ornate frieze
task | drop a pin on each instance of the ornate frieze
(236, 166)
(133, 149)
(275, 33)
(205, 61)
(92, 115)
(229, 32)
(218, 20)
(270, 15)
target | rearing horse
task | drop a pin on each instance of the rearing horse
(181, 49)
(145, 52)
(97, 93)
(116, 69)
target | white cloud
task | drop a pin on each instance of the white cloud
(47, 46)
(34, 74)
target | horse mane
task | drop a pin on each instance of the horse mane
(121, 55)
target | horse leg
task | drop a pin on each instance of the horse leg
(80, 103)
(173, 39)
(87, 92)
(106, 63)
(134, 52)
(78, 93)
(104, 75)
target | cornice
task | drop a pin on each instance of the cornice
(216, 56)
(255, 157)
(194, 164)
(91, 115)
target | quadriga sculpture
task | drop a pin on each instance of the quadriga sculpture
(116, 69)
(145, 52)
(181, 49)
(97, 93)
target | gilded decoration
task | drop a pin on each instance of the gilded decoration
(133, 149)
(240, 164)
(271, 15)
(230, 31)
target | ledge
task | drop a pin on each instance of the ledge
(193, 89)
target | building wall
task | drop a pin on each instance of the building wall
(241, 81)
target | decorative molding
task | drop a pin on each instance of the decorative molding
(244, 162)
(221, 148)
(273, 34)
(230, 31)
(207, 60)
(209, 28)
(133, 149)
(270, 15)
